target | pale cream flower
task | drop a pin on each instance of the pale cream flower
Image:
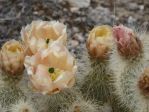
(38, 34)
(51, 70)
(12, 57)
(99, 41)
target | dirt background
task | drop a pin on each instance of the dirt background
(17, 13)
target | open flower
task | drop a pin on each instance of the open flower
(127, 42)
(52, 69)
(99, 41)
(39, 34)
(12, 57)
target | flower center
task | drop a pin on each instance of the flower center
(14, 48)
(47, 41)
(51, 70)
(102, 32)
(54, 73)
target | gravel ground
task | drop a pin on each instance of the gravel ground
(17, 13)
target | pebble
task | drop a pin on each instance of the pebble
(131, 20)
(75, 29)
(141, 7)
(132, 6)
(79, 3)
(79, 37)
(100, 14)
(73, 43)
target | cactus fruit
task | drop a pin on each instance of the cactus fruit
(129, 61)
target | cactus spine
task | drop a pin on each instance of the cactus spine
(96, 83)
(83, 106)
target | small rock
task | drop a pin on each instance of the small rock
(79, 3)
(133, 6)
(131, 20)
(74, 43)
(79, 37)
(35, 12)
(74, 9)
(75, 29)
(141, 7)
(100, 14)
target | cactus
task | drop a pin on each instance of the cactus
(83, 106)
(10, 80)
(98, 84)
(95, 84)
(9, 95)
(62, 100)
(121, 67)
(2, 109)
(128, 62)
(50, 67)
(22, 106)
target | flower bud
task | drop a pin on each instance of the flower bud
(52, 69)
(144, 83)
(99, 41)
(12, 57)
(128, 44)
(39, 34)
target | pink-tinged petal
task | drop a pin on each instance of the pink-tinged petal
(63, 65)
(65, 80)
(122, 34)
(41, 79)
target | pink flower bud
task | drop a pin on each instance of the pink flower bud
(127, 43)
